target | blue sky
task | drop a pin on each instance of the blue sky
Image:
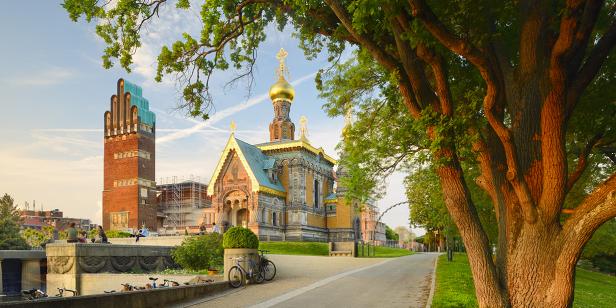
(54, 91)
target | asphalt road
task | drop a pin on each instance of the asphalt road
(304, 281)
(401, 282)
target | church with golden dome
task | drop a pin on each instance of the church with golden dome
(283, 189)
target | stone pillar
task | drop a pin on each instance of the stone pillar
(31, 274)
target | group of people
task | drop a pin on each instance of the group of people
(215, 229)
(74, 236)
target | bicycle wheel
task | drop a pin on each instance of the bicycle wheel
(236, 277)
(258, 276)
(269, 270)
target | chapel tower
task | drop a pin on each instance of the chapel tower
(282, 94)
(129, 193)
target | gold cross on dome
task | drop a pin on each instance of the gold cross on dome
(233, 127)
(281, 55)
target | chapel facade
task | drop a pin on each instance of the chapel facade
(283, 189)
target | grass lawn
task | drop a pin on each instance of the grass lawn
(295, 248)
(386, 252)
(454, 286)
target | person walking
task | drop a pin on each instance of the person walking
(71, 233)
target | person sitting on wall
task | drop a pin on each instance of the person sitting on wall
(102, 237)
(83, 237)
(71, 233)
(215, 228)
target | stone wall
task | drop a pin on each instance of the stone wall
(162, 297)
(67, 262)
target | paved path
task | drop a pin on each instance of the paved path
(306, 281)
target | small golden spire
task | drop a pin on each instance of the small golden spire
(233, 127)
(282, 69)
(303, 128)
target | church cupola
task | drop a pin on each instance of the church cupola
(282, 94)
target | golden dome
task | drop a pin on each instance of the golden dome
(282, 89)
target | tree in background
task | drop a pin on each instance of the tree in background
(390, 234)
(522, 90)
(10, 238)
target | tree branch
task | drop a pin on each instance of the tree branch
(590, 68)
(582, 161)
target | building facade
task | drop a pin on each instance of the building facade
(32, 219)
(282, 189)
(181, 206)
(129, 188)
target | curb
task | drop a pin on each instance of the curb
(433, 284)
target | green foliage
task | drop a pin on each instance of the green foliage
(390, 234)
(35, 238)
(9, 225)
(117, 234)
(601, 249)
(385, 252)
(239, 237)
(199, 252)
(454, 286)
(295, 248)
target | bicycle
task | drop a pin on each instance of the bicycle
(237, 272)
(62, 290)
(267, 266)
(169, 283)
(33, 294)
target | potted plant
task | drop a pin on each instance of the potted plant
(239, 242)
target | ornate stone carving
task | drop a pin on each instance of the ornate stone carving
(92, 264)
(168, 262)
(149, 263)
(60, 265)
(122, 263)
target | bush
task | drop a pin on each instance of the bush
(199, 252)
(238, 237)
(117, 234)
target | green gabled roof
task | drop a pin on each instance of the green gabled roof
(258, 163)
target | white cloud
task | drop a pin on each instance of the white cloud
(223, 114)
(44, 77)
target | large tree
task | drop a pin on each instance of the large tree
(10, 221)
(516, 86)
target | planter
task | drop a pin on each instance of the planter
(231, 253)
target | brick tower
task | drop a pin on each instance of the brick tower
(129, 193)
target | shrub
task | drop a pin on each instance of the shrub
(238, 237)
(117, 234)
(199, 252)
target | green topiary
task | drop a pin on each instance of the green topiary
(238, 237)
(117, 234)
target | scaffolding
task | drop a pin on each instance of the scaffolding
(182, 201)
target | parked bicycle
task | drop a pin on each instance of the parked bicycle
(62, 290)
(267, 266)
(33, 294)
(238, 273)
(169, 283)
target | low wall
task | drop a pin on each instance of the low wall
(161, 297)
(67, 263)
(99, 283)
(343, 249)
(150, 240)
(21, 270)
